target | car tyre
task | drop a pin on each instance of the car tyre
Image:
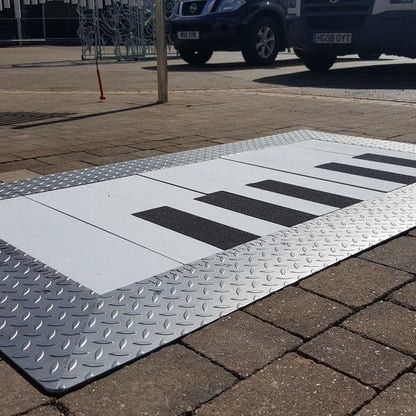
(318, 62)
(262, 43)
(298, 52)
(196, 56)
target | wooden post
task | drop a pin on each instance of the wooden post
(162, 65)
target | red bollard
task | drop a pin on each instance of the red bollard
(99, 81)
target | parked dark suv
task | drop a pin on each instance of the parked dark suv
(197, 28)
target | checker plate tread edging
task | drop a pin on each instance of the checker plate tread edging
(62, 334)
(118, 170)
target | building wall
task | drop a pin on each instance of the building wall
(52, 22)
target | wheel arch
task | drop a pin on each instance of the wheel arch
(274, 11)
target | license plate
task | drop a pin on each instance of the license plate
(189, 34)
(332, 37)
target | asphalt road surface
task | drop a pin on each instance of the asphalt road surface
(388, 78)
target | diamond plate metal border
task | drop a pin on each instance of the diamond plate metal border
(62, 334)
(122, 169)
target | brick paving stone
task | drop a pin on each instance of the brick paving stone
(168, 382)
(399, 253)
(407, 138)
(45, 411)
(366, 360)
(111, 150)
(406, 295)
(397, 400)
(64, 158)
(6, 157)
(107, 160)
(89, 147)
(16, 394)
(62, 167)
(355, 282)
(242, 343)
(292, 385)
(388, 323)
(183, 147)
(17, 175)
(186, 141)
(28, 164)
(148, 137)
(299, 311)
(28, 152)
(151, 144)
(140, 154)
(413, 233)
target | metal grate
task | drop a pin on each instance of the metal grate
(20, 117)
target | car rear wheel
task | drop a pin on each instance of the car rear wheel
(318, 61)
(262, 42)
(298, 52)
(196, 56)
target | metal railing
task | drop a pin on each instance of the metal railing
(121, 31)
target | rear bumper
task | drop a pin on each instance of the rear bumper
(389, 32)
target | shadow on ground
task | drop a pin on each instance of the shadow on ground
(180, 66)
(377, 76)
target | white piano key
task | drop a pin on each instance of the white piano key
(93, 257)
(115, 215)
(291, 159)
(229, 170)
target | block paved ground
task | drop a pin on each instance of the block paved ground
(340, 342)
